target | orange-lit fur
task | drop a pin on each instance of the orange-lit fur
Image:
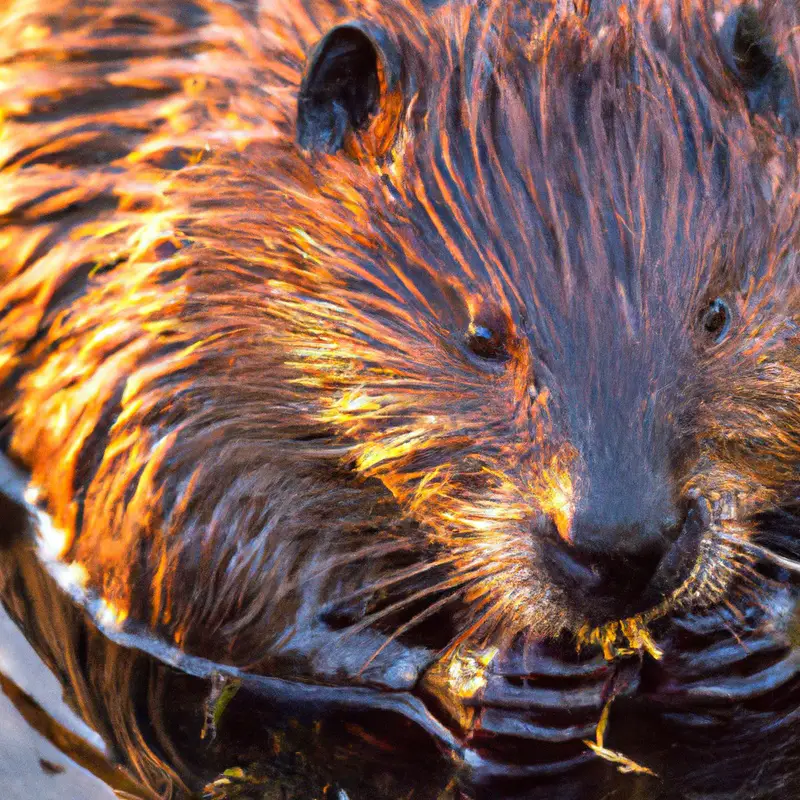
(236, 370)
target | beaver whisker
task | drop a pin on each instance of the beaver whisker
(478, 323)
(494, 610)
(737, 612)
(382, 549)
(397, 577)
(455, 582)
(750, 584)
(415, 620)
(755, 595)
(703, 587)
(752, 575)
(729, 606)
(790, 564)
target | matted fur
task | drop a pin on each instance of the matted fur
(236, 371)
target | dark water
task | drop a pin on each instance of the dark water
(283, 749)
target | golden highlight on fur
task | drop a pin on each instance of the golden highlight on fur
(237, 371)
(223, 343)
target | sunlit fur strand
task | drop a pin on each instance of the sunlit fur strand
(347, 326)
(713, 260)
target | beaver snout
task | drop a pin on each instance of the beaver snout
(616, 569)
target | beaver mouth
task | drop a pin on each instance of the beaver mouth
(619, 594)
(688, 573)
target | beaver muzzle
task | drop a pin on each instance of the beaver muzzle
(614, 574)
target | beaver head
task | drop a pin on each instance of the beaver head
(489, 313)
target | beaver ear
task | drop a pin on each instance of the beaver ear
(350, 93)
(752, 56)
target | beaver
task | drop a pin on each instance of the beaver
(432, 366)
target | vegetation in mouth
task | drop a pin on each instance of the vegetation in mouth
(349, 343)
(722, 557)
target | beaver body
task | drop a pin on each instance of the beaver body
(430, 364)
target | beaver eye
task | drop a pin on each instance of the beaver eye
(488, 343)
(716, 319)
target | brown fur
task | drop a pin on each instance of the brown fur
(235, 370)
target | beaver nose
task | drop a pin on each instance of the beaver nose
(636, 540)
(610, 566)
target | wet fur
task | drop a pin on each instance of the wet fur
(248, 362)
